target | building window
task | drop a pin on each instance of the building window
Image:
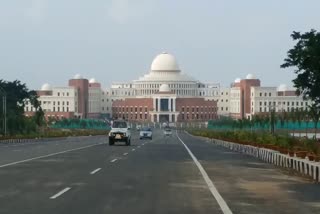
(260, 94)
(292, 103)
(221, 108)
(269, 94)
(226, 108)
(261, 103)
(145, 116)
(135, 109)
(58, 94)
(265, 94)
(260, 109)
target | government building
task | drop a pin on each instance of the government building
(164, 94)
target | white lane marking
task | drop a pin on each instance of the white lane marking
(125, 153)
(223, 205)
(139, 146)
(60, 193)
(133, 150)
(114, 160)
(95, 171)
(44, 156)
(143, 144)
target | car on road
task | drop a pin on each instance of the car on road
(167, 131)
(120, 132)
(145, 132)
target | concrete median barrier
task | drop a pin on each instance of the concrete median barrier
(303, 166)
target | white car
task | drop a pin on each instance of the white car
(167, 131)
(120, 132)
(146, 133)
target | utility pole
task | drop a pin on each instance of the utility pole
(4, 109)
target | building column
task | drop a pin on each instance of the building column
(170, 118)
(158, 118)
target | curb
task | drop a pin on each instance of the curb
(303, 166)
(13, 141)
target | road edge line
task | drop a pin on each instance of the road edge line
(45, 156)
(222, 203)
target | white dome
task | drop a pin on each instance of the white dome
(165, 62)
(237, 80)
(282, 87)
(164, 88)
(93, 80)
(250, 77)
(78, 77)
(46, 87)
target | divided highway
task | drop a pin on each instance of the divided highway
(177, 174)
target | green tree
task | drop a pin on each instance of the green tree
(305, 58)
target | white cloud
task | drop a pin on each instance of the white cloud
(122, 11)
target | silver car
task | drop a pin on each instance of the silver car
(146, 133)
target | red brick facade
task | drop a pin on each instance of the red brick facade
(82, 85)
(196, 109)
(245, 95)
(133, 109)
(189, 109)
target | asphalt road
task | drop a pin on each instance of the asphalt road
(174, 174)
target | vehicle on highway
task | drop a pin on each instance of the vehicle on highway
(167, 131)
(120, 132)
(146, 132)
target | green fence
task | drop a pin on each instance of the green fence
(81, 124)
(278, 125)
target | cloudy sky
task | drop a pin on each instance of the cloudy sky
(116, 40)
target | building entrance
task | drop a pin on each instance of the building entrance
(164, 118)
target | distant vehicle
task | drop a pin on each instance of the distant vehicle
(146, 133)
(167, 131)
(120, 132)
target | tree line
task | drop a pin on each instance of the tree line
(17, 94)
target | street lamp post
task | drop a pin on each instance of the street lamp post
(4, 109)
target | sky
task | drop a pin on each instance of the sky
(216, 41)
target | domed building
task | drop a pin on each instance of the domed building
(168, 95)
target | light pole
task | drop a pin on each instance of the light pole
(4, 109)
